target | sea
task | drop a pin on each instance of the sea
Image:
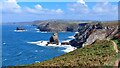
(17, 51)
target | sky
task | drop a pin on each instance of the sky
(16, 11)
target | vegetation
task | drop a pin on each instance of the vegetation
(100, 53)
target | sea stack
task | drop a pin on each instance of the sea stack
(54, 39)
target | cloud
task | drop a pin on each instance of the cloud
(105, 8)
(38, 9)
(82, 2)
(99, 10)
(104, 11)
(11, 6)
(79, 8)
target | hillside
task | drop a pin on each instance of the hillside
(66, 25)
(100, 53)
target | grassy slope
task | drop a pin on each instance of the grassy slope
(101, 53)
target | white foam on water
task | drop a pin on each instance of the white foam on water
(40, 43)
(76, 32)
(4, 43)
(44, 32)
(66, 41)
(37, 61)
(20, 30)
(72, 37)
(41, 32)
(37, 31)
(68, 48)
(36, 50)
(5, 59)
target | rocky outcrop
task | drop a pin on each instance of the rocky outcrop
(84, 32)
(54, 39)
(18, 28)
(97, 34)
(89, 33)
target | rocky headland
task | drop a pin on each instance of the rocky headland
(88, 32)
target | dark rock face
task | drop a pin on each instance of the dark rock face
(80, 38)
(43, 27)
(69, 29)
(20, 28)
(54, 39)
(89, 33)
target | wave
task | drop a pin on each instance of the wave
(68, 48)
(19, 53)
(4, 43)
(20, 30)
(66, 41)
(44, 32)
(72, 37)
(41, 43)
(41, 32)
(76, 32)
(36, 29)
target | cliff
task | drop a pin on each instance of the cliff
(57, 27)
(89, 33)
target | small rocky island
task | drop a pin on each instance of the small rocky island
(53, 39)
(19, 29)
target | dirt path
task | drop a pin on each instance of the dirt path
(116, 64)
(115, 46)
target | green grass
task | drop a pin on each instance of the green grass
(101, 53)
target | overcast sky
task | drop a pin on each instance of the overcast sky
(16, 11)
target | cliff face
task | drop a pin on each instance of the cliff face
(97, 34)
(55, 27)
(88, 34)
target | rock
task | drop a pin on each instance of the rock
(88, 33)
(98, 26)
(69, 29)
(84, 32)
(76, 43)
(54, 39)
(18, 28)
(65, 43)
(97, 34)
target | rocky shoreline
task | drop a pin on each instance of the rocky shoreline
(87, 33)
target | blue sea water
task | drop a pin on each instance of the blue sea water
(16, 50)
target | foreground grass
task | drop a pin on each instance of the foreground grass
(100, 53)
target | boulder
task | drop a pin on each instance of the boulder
(54, 39)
